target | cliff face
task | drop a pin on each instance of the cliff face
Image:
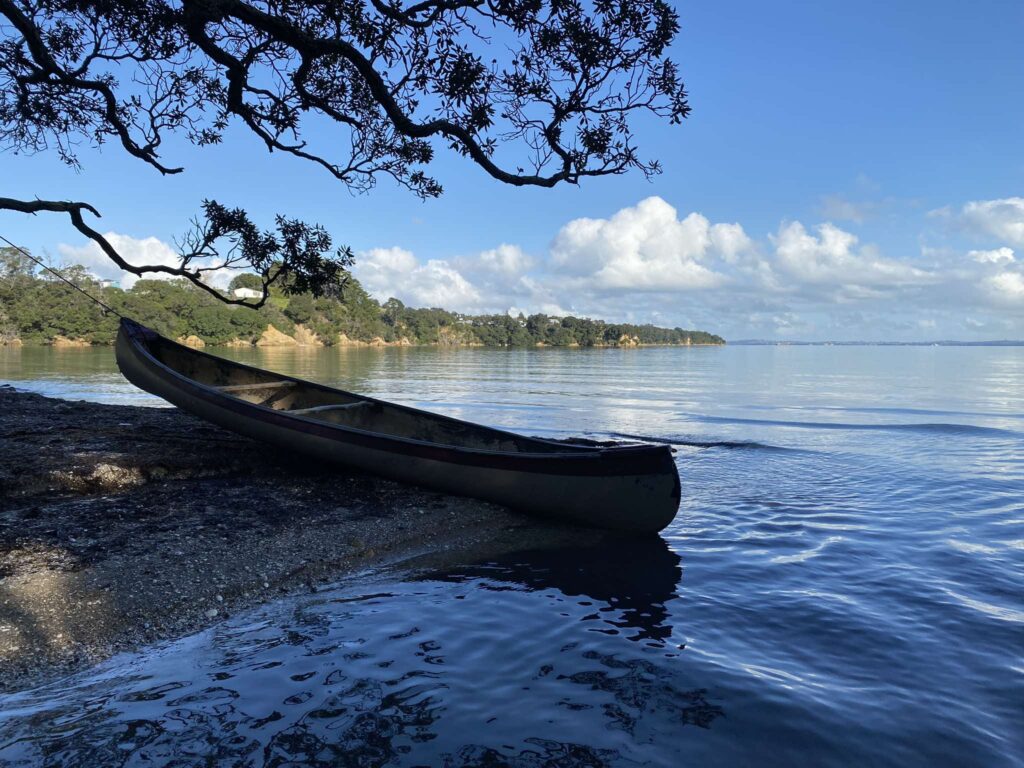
(451, 337)
(275, 338)
(306, 337)
(192, 341)
(376, 341)
(62, 341)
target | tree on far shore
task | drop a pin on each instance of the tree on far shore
(245, 280)
(36, 309)
(533, 92)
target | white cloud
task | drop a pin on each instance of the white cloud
(833, 258)
(137, 252)
(1006, 288)
(998, 256)
(387, 272)
(646, 248)
(730, 241)
(146, 251)
(507, 260)
(381, 263)
(1002, 219)
(651, 263)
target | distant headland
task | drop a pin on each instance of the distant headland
(36, 310)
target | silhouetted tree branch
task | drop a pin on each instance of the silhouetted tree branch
(535, 92)
(226, 239)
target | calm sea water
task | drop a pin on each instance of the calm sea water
(844, 584)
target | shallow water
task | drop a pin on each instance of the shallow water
(844, 583)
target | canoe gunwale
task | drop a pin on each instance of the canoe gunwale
(581, 460)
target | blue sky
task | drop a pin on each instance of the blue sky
(898, 127)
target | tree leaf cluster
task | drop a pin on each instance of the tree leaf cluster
(533, 92)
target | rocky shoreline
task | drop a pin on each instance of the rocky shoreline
(121, 526)
(304, 337)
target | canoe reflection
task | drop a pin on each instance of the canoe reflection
(630, 580)
(521, 661)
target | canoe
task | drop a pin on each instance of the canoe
(630, 488)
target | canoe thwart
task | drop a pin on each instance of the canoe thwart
(248, 387)
(323, 408)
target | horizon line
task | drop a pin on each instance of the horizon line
(864, 342)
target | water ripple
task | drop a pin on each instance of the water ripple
(832, 593)
(938, 428)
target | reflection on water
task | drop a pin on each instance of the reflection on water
(841, 587)
(400, 676)
(634, 576)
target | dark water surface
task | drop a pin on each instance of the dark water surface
(844, 584)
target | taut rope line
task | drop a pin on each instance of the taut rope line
(57, 274)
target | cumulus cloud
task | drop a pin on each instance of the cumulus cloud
(387, 272)
(730, 241)
(493, 281)
(146, 251)
(1002, 219)
(834, 258)
(647, 248)
(997, 256)
(136, 251)
(650, 262)
(643, 248)
(507, 260)
(1006, 288)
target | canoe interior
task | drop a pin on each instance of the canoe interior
(334, 406)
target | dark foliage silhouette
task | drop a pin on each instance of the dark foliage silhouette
(534, 92)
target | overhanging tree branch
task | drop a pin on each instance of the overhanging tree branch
(534, 92)
(293, 256)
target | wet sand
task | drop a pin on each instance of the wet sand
(121, 526)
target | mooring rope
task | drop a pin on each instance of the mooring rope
(59, 276)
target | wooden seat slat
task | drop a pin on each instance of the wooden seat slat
(248, 387)
(322, 408)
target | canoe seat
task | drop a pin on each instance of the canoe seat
(250, 387)
(323, 408)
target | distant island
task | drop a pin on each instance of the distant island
(41, 310)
